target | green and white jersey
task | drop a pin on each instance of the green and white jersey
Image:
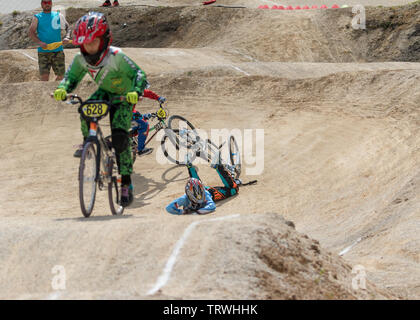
(117, 74)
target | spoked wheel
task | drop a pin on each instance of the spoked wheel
(114, 187)
(178, 122)
(171, 149)
(235, 156)
(87, 178)
(186, 135)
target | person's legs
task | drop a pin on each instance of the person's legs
(120, 127)
(44, 65)
(218, 193)
(226, 178)
(107, 3)
(230, 187)
(143, 131)
(58, 65)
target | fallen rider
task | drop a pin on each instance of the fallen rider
(201, 199)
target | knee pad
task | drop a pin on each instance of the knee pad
(119, 140)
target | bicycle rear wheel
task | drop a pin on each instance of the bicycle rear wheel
(235, 156)
(87, 178)
(114, 185)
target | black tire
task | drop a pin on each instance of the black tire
(173, 153)
(114, 190)
(235, 156)
(172, 122)
(87, 178)
(134, 144)
(177, 123)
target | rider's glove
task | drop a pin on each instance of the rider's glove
(60, 94)
(161, 100)
(132, 97)
(147, 116)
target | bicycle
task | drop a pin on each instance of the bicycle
(184, 135)
(209, 151)
(171, 134)
(98, 161)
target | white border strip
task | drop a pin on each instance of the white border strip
(349, 247)
(240, 70)
(166, 273)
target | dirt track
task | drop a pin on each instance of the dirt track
(341, 160)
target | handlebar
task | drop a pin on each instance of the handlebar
(74, 97)
(155, 114)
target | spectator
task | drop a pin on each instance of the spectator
(107, 3)
(46, 29)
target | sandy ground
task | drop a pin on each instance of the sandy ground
(341, 160)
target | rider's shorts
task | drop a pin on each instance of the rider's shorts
(54, 60)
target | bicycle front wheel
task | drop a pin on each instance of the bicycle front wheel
(178, 122)
(87, 178)
(172, 151)
(114, 189)
(185, 134)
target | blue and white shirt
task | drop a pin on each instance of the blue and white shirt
(183, 201)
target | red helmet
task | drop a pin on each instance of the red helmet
(88, 28)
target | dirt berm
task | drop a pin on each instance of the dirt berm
(340, 159)
(391, 34)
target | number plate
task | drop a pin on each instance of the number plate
(161, 113)
(94, 110)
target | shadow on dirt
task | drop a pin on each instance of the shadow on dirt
(146, 189)
(98, 218)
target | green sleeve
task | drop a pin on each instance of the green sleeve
(133, 71)
(74, 75)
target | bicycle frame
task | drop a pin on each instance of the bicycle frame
(157, 127)
(161, 124)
